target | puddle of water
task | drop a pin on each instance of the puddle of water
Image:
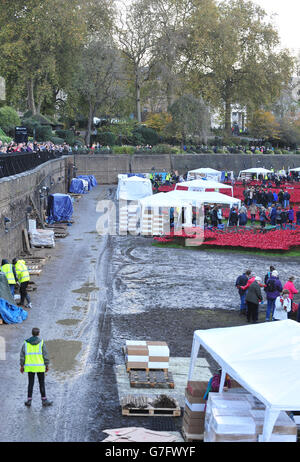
(86, 289)
(77, 308)
(62, 354)
(68, 322)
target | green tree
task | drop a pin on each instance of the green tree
(233, 56)
(190, 117)
(8, 119)
(263, 125)
(39, 41)
(96, 84)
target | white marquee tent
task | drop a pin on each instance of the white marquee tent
(202, 185)
(208, 173)
(253, 171)
(263, 358)
(177, 198)
(133, 188)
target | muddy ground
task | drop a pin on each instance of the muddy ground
(93, 294)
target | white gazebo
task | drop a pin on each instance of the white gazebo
(133, 188)
(253, 171)
(263, 358)
(205, 173)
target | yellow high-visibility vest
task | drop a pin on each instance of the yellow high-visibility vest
(8, 270)
(22, 271)
(34, 361)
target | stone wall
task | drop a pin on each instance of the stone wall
(106, 167)
(24, 190)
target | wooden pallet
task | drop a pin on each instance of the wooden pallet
(151, 411)
(157, 378)
(146, 369)
(60, 235)
(189, 437)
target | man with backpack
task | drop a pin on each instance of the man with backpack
(242, 281)
(273, 289)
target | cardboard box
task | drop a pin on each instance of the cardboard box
(194, 426)
(136, 351)
(194, 399)
(193, 414)
(136, 342)
(196, 388)
(137, 365)
(159, 359)
(136, 359)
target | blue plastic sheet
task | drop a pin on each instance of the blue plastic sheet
(60, 208)
(88, 179)
(93, 180)
(77, 186)
(12, 314)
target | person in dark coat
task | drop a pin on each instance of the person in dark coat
(273, 290)
(242, 281)
(253, 298)
(233, 217)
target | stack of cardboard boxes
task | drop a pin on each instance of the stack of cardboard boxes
(194, 410)
(147, 355)
(239, 417)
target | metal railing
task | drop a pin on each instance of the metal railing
(12, 164)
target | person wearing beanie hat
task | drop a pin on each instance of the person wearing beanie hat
(273, 290)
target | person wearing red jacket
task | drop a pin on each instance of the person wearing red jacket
(289, 285)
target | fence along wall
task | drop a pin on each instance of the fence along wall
(21, 191)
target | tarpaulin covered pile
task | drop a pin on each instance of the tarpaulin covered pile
(90, 179)
(9, 312)
(77, 186)
(60, 207)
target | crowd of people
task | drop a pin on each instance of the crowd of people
(268, 206)
(279, 296)
(34, 146)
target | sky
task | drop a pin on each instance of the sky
(286, 21)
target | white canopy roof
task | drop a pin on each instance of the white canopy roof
(295, 169)
(179, 198)
(209, 173)
(133, 188)
(263, 358)
(205, 197)
(202, 185)
(255, 171)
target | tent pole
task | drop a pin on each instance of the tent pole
(222, 382)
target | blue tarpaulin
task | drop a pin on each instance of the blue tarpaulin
(88, 179)
(11, 314)
(93, 180)
(77, 186)
(60, 208)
